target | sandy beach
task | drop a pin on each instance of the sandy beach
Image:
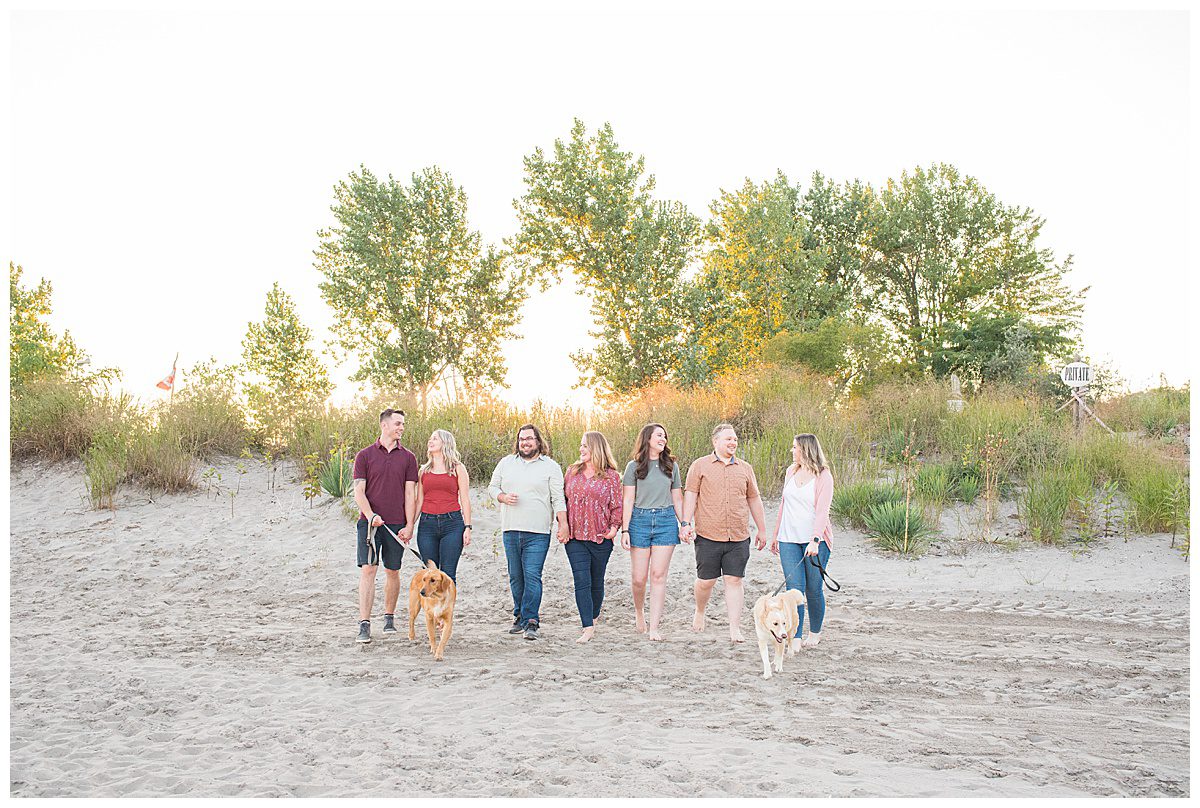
(170, 647)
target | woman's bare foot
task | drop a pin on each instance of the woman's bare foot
(587, 634)
(698, 622)
(735, 634)
(797, 644)
(654, 635)
(639, 623)
(812, 639)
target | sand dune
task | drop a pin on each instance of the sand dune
(171, 648)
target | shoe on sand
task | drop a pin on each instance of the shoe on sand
(517, 627)
(389, 624)
(364, 631)
(531, 630)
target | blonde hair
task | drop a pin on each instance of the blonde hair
(449, 452)
(602, 455)
(812, 456)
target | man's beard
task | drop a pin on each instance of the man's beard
(526, 455)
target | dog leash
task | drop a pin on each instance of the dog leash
(373, 548)
(833, 585)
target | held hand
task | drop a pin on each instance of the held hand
(812, 548)
(759, 542)
(564, 535)
(406, 534)
(467, 537)
(688, 534)
(376, 520)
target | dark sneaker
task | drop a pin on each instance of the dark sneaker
(364, 631)
(531, 630)
(517, 627)
(389, 624)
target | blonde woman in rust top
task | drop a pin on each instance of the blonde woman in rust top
(803, 531)
(593, 492)
(443, 504)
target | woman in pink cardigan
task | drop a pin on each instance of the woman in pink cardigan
(803, 533)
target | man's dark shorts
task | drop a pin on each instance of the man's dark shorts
(717, 558)
(391, 550)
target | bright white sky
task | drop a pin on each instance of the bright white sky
(168, 165)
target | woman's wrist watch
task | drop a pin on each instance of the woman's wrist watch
(466, 527)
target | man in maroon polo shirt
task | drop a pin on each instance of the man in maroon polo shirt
(385, 488)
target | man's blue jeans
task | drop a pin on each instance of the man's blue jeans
(801, 573)
(526, 553)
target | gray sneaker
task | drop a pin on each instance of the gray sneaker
(364, 631)
(531, 630)
(389, 624)
(517, 627)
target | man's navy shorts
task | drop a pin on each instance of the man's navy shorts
(391, 550)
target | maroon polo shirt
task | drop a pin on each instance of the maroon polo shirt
(386, 473)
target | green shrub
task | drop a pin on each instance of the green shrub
(104, 464)
(1155, 412)
(934, 484)
(852, 503)
(1156, 502)
(335, 475)
(1049, 494)
(967, 487)
(158, 461)
(57, 420)
(898, 528)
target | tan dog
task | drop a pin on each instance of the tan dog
(434, 591)
(776, 621)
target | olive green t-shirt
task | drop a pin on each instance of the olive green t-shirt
(655, 490)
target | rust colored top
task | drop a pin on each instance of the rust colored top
(724, 492)
(440, 492)
(593, 505)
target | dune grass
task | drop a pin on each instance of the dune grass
(1005, 440)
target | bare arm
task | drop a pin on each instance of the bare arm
(760, 522)
(464, 501)
(360, 498)
(410, 505)
(629, 492)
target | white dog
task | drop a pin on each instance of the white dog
(776, 621)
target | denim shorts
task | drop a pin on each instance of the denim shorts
(653, 527)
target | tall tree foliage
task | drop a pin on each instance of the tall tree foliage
(34, 350)
(942, 248)
(413, 293)
(277, 351)
(760, 275)
(588, 209)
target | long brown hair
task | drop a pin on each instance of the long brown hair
(602, 456)
(641, 453)
(811, 454)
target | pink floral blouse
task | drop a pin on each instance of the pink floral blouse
(593, 506)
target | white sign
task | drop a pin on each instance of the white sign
(1077, 374)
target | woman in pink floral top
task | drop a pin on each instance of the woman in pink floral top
(593, 491)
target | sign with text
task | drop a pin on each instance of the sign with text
(1077, 374)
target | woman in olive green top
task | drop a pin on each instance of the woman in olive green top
(653, 509)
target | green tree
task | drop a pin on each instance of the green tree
(413, 293)
(941, 247)
(588, 209)
(277, 351)
(759, 275)
(34, 349)
(838, 221)
(847, 349)
(998, 347)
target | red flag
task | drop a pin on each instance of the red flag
(169, 382)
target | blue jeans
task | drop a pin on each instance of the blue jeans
(653, 527)
(526, 553)
(588, 560)
(440, 540)
(801, 573)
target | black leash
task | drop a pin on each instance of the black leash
(373, 547)
(832, 585)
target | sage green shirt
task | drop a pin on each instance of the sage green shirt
(538, 485)
(655, 490)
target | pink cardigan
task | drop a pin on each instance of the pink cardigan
(823, 494)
